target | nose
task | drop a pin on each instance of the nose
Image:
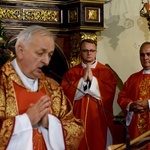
(46, 60)
(89, 52)
(145, 56)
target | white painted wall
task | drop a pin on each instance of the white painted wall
(118, 45)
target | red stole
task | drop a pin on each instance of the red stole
(24, 99)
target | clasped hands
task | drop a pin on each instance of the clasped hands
(38, 112)
(88, 75)
(139, 106)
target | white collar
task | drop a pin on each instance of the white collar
(91, 66)
(146, 71)
(29, 83)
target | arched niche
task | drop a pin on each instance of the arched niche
(57, 66)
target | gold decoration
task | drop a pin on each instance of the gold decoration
(91, 36)
(41, 15)
(144, 95)
(92, 14)
(145, 11)
(10, 13)
(30, 14)
(75, 48)
(73, 15)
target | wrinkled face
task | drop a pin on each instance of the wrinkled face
(88, 52)
(145, 57)
(32, 57)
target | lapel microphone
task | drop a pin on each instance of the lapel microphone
(48, 71)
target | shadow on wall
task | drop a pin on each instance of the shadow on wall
(119, 120)
(119, 81)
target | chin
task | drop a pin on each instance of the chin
(147, 69)
(37, 76)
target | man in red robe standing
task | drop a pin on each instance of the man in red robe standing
(34, 112)
(134, 99)
(92, 98)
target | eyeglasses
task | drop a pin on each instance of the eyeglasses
(88, 51)
(143, 54)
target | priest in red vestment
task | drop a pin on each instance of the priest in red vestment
(91, 87)
(134, 98)
(34, 112)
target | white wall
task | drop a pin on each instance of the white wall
(125, 30)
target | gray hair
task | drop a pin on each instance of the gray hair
(25, 35)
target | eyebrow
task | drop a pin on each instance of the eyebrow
(86, 50)
(143, 54)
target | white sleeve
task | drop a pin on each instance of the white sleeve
(80, 93)
(54, 135)
(22, 135)
(94, 89)
(149, 104)
(129, 115)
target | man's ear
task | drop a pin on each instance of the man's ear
(20, 51)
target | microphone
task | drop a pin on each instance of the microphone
(46, 70)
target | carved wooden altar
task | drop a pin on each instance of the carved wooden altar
(70, 20)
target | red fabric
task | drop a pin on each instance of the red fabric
(24, 99)
(96, 114)
(137, 87)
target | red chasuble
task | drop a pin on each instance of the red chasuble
(96, 114)
(13, 103)
(24, 99)
(137, 87)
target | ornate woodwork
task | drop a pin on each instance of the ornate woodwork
(70, 20)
